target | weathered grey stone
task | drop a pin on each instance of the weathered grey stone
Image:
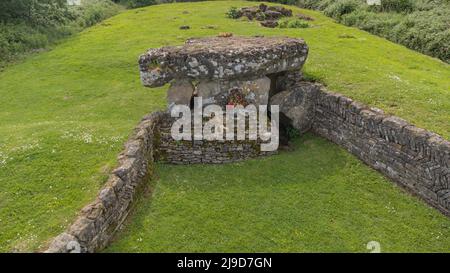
(395, 123)
(134, 148)
(287, 80)
(222, 58)
(357, 107)
(255, 91)
(210, 152)
(108, 197)
(129, 169)
(217, 92)
(263, 12)
(262, 7)
(298, 105)
(180, 92)
(282, 10)
(249, 12)
(83, 229)
(269, 23)
(93, 210)
(212, 92)
(63, 243)
(272, 14)
(117, 184)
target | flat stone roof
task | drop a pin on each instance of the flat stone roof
(222, 58)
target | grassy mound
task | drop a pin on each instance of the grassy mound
(65, 113)
(422, 25)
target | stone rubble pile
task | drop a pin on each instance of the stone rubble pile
(267, 15)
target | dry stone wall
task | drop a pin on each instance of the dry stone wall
(98, 221)
(415, 158)
(203, 151)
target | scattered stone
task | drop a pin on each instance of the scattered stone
(280, 9)
(269, 23)
(305, 17)
(263, 7)
(249, 12)
(288, 80)
(61, 244)
(272, 15)
(185, 27)
(268, 15)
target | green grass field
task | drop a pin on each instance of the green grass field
(66, 113)
(316, 199)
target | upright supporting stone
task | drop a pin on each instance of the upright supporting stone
(211, 92)
(288, 80)
(298, 105)
(180, 92)
(255, 91)
(217, 92)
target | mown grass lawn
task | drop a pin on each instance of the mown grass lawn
(318, 198)
(66, 113)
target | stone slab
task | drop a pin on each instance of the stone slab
(222, 58)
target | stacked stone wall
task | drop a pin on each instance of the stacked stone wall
(204, 151)
(415, 158)
(96, 223)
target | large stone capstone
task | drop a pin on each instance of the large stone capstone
(234, 71)
(222, 58)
